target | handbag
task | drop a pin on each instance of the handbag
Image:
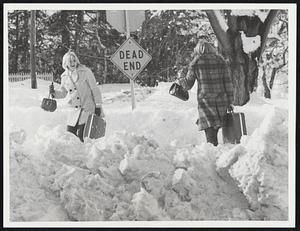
(49, 104)
(177, 91)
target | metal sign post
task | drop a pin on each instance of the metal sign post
(131, 81)
(130, 57)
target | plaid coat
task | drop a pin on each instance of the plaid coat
(215, 90)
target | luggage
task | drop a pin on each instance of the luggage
(94, 127)
(49, 104)
(177, 91)
(235, 127)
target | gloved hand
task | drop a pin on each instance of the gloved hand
(230, 108)
(98, 111)
(177, 82)
(51, 90)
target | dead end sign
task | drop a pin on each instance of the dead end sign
(131, 58)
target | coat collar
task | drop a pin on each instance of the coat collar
(79, 69)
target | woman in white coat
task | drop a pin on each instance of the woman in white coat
(79, 85)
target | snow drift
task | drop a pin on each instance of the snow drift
(153, 164)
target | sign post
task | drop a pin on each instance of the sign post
(130, 58)
(131, 81)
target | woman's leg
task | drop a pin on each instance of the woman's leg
(77, 130)
(80, 129)
(72, 129)
(212, 135)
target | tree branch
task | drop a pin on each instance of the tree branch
(95, 34)
(267, 25)
(99, 41)
(220, 27)
(87, 14)
(100, 44)
(68, 29)
(284, 59)
(94, 57)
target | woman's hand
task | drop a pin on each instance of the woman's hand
(230, 108)
(177, 81)
(98, 111)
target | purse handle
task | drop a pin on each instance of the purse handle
(50, 94)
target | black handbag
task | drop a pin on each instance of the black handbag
(49, 104)
(177, 91)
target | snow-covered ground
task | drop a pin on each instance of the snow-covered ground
(152, 164)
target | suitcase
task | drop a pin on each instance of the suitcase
(235, 127)
(94, 127)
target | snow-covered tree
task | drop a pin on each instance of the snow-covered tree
(275, 56)
(170, 37)
(242, 37)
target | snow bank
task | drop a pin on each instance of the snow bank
(259, 166)
(29, 199)
(91, 185)
(152, 164)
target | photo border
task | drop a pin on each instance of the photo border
(292, 14)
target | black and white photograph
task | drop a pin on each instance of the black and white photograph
(149, 115)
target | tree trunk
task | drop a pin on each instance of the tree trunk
(275, 69)
(16, 58)
(105, 65)
(267, 92)
(78, 30)
(272, 78)
(65, 35)
(25, 56)
(32, 50)
(244, 67)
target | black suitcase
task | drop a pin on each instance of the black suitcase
(235, 128)
(94, 127)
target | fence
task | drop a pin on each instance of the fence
(16, 77)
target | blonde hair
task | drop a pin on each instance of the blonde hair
(66, 59)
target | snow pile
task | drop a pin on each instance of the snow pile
(97, 185)
(152, 164)
(29, 199)
(125, 95)
(260, 166)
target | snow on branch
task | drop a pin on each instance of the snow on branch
(262, 14)
(250, 44)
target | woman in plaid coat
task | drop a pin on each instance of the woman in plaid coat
(215, 90)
